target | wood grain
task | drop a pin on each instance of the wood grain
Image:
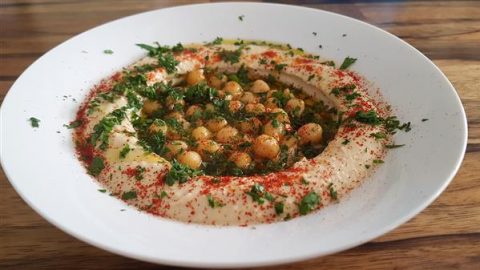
(446, 235)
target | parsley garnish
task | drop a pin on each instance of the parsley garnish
(378, 135)
(180, 173)
(378, 161)
(102, 190)
(259, 194)
(34, 122)
(214, 203)
(200, 93)
(124, 151)
(348, 62)
(73, 124)
(369, 117)
(308, 203)
(241, 17)
(391, 146)
(129, 195)
(345, 142)
(328, 63)
(310, 77)
(96, 166)
(108, 51)
(279, 208)
(231, 57)
(217, 41)
(279, 67)
(102, 130)
(333, 192)
(424, 119)
(168, 62)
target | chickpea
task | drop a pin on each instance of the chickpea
(256, 109)
(233, 88)
(275, 129)
(201, 133)
(266, 146)
(216, 124)
(193, 111)
(260, 86)
(241, 159)
(271, 103)
(173, 103)
(227, 134)
(310, 133)
(235, 106)
(175, 147)
(295, 106)
(250, 126)
(249, 97)
(217, 81)
(191, 159)
(207, 147)
(280, 115)
(209, 107)
(158, 126)
(150, 106)
(195, 76)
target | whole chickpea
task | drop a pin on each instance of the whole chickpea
(207, 147)
(227, 134)
(260, 86)
(250, 126)
(175, 147)
(310, 133)
(233, 88)
(249, 97)
(295, 106)
(266, 146)
(280, 115)
(192, 111)
(195, 76)
(191, 159)
(274, 128)
(235, 106)
(241, 159)
(150, 106)
(201, 133)
(158, 126)
(217, 80)
(256, 108)
(215, 124)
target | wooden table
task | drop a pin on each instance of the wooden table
(445, 235)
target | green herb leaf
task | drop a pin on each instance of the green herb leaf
(129, 195)
(96, 166)
(231, 57)
(348, 62)
(391, 146)
(309, 203)
(108, 51)
(333, 192)
(180, 173)
(240, 18)
(279, 206)
(214, 203)
(125, 150)
(102, 190)
(74, 124)
(168, 62)
(34, 122)
(369, 117)
(378, 161)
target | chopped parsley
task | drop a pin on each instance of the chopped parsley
(200, 93)
(378, 161)
(168, 62)
(213, 203)
(333, 192)
(345, 142)
(73, 124)
(304, 181)
(125, 150)
(108, 51)
(424, 119)
(102, 130)
(344, 89)
(348, 62)
(180, 173)
(369, 117)
(129, 195)
(240, 18)
(231, 57)
(392, 146)
(280, 67)
(378, 135)
(96, 166)
(102, 190)
(279, 206)
(259, 194)
(308, 203)
(311, 77)
(314, 33)
(217, 41)
(34, 122)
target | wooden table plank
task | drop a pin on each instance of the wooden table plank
(445, 235)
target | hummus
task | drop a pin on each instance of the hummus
(229, 134)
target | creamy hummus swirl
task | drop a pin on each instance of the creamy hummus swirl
(347, 160)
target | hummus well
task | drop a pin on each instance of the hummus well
(232, 134)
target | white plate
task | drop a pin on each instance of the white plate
(41, 165)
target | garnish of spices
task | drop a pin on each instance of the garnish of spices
(34, 122)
